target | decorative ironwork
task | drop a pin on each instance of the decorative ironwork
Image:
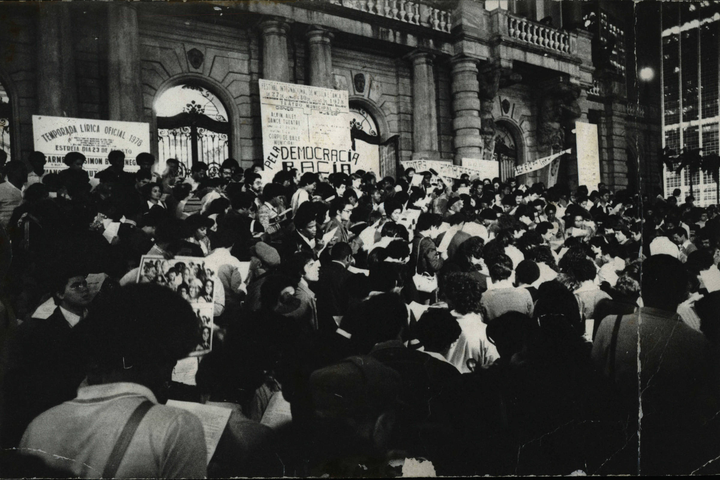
(199, 132)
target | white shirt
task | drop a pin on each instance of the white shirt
(72, 318)
(472, 343)
(299, 197)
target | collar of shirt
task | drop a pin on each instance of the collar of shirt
(72, 318)
(307, 240)
(111, 391)
(658, 313)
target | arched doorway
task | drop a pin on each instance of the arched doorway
(5, 119)
(192, 126)
(505, 151)
(374, 154)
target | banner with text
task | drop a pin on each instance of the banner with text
(486, 168)
(306, 128)
(58, 136)
(444, 169)
(588, 156)
(538, 164)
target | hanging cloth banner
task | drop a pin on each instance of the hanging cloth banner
(537, 164)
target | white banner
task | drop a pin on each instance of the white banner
(307, 128)
(58, 136)
(588, 156)
(537, 164)
(444, 169)
(486, 168)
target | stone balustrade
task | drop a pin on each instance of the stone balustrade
(414, 13)
(539, 35)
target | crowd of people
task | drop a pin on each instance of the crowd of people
(483, 325)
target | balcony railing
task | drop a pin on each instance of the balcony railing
(414, 13)
(539, 35)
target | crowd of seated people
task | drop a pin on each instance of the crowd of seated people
(360, 324)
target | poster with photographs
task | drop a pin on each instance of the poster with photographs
(189, 277)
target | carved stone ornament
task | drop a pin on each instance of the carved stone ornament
(359, 81)
(195, 57)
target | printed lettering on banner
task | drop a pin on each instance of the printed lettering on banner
(307, 128)
(58, 136)
(538, 164)
(444, 169)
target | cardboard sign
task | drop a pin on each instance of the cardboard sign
(58, 136)
(588, 156)
(306, 128)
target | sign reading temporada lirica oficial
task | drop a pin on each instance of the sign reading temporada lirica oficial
(57, 136)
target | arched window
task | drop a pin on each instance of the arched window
(192, 126)
(505, 151)
(5, 118)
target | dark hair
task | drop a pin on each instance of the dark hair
(390, 229)
(273, 190)
(271, 288)
(555, 299)
(115, 155)
(664, 281)
(501, 268)
(383, 277)
(337, 206)
(304, 215)
(143, 174)
(397, 249)
(391, 206)
(340, 251)
(427, 220)
(437, 329)
(139, 325)
(145, 157)
(371, 328)
(463, 292)
(70, 158)
(146, 189)
(527, 272)
(295, 265)
(308, 178)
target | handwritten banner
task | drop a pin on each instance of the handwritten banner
(305, 127)
(444, 169)
(58, 136)
(537, 164)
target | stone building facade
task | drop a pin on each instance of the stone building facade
(449, 79)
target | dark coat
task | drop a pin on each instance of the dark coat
(332, 297)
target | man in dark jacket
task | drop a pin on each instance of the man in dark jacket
(332, 296)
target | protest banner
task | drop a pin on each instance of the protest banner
(193, 281)
(537, 164)
(307, 128)
(486, 168)
(58, 136)
(444, 169)
(588, 156)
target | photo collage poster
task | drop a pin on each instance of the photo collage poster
(189, 277)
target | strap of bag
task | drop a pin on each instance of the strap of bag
(123, 441)
(417, 263)
(613, 346)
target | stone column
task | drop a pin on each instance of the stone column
(125, 100)
(320, 53)
(425, 134)
(57, 91)
(466, 109)
(275, 52)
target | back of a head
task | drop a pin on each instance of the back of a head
(501, 267)
(340, 251)
(527, 272)
(371, 328)
(555, 299)
(308, 178)
(139, 327)
(437, 329)
(463, 292)
(664, 282)
(511, 332)
(383, 277)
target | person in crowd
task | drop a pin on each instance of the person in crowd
(37, 161)
(426, 259)
(305, 268)
(11, 190)
(332, 294)
(306, 188)
(135, 337)
(115, 173)
(502, 296)
(679, 399)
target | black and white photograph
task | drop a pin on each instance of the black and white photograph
(359, 238)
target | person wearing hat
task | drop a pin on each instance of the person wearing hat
(198, 226)
(134, 338)
(264, 260)
(44, 355)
